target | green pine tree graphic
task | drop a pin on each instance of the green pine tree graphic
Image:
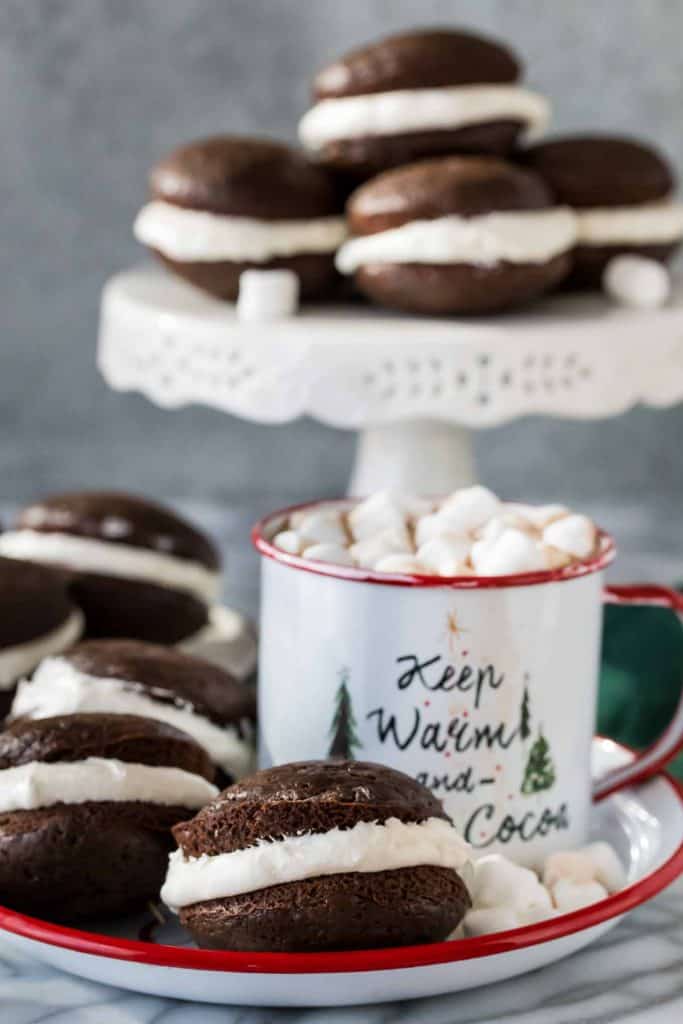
(343, 729)
(539, 773)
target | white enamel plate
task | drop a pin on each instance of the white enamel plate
(644, 823)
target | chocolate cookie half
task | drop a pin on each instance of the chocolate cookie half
(456, 235)
(37, 619)
(419, 94)
(621, 191)
(319, 856)
(86, 807)
(227, 204)
(136, 568)
(130, 677)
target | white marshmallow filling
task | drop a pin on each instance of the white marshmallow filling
(366, 847)
(20, 659)
(85, 554)
(526, 236)
(39, 784)
(59, 688)
(197, 236)
(642, 224)
(413, 110)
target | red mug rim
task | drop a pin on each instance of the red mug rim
(262, 530)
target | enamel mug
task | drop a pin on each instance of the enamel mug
(483, 688)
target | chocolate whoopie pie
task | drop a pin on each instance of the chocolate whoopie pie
(319, 856)
(456, 235)
(420, 94)
(227, 204)
(136, 568)
(86, 807)
(130, 677)
(621, 191)
(37, 619)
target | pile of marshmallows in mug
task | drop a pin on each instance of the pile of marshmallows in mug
(505, 895)
(470, 533)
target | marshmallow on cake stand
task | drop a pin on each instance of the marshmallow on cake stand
(414, 387)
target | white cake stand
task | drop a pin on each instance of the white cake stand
(414, 387)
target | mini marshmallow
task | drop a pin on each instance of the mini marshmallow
(445, 556)
(571, 865)
(289, 541)
(367, 553)
(319, 528)
(608, 869)
(490, 919)
(332, 512)
(574, 534)
(334, 553)
(637, 282)
(469, 508)
(382, 511)
(538, 516)
(554, 558)
(511, 552)
(568, 895)
(401, 563)
(499, 883)
(267, 295)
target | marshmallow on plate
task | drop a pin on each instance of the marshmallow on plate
(512, 551)
(568, 895)
(637, 282)
(267, 295)
(597, 862)
(574, 534)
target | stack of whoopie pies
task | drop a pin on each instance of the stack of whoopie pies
(449, 211)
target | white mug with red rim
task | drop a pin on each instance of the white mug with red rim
(484, 688)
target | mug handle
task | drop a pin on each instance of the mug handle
(651, 760)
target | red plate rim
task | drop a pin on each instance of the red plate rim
(261, 531)
(396, 958)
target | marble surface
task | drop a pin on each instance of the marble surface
(634, 974)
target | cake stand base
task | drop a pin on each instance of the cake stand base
(419, 456)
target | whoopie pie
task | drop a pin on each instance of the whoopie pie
(86, 807)
(621, 191)
(419, 94)
(131, 677)
(37, 618)
(137, 569)
(456, 235)
(227, 204)
(319, 856)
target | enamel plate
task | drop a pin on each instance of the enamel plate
(644, 823)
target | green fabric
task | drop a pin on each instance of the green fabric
(642, 673)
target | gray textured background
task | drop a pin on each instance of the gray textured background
(93, 91)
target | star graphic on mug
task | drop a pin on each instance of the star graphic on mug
(454, 630)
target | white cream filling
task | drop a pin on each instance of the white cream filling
(410, 110)
(201, 236)
(59, 688)
(98, 779)
(528, 236)
(366, 847)
(647, 223)
(85, 554)
(21, 659)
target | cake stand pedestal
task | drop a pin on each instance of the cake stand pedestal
(414, 387)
